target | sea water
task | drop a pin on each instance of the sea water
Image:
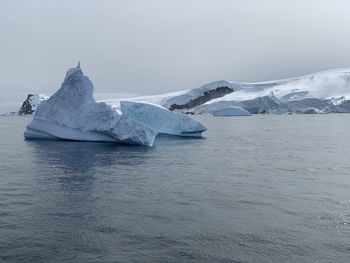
(264, 188)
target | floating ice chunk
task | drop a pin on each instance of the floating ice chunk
(73, 114)
(161, 119)
(311, 110)
(231, 111)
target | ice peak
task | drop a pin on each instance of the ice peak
(76, 72)
(73, 114)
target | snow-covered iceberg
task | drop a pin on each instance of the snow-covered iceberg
(231, 111)
(72, 113)
(161, 119)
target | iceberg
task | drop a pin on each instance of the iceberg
(72, 113)
(161, 119)
(266, 104)
(231, 111)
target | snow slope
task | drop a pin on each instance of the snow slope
(322, 85)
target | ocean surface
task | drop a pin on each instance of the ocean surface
(255, 189)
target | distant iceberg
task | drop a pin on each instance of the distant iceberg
(72, 113)
(231, 111)
(161, 119)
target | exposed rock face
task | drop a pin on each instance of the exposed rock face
(207, 96)
(26, 108)
(31, 103)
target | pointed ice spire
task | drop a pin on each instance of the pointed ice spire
(71, 71)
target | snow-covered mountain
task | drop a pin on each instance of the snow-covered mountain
(322, 92)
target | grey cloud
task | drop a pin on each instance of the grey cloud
(158, 46)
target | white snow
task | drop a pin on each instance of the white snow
(161, 119)
(72, 113)
(321, 85)
(36, 99)
(327, 91)
(231, 111)
(155, 99)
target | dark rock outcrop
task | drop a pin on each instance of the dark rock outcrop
(207, 96)
(26, 108)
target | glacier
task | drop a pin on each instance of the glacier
(325, 91)
(161, 119)
(72, 113)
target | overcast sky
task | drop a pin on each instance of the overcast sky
(157, 46)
